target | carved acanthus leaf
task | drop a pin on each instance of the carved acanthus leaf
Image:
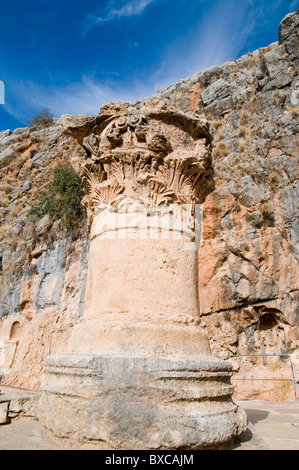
(100, 191)
(108, 195)
(92, 176)
(178, 182)
(159, 193)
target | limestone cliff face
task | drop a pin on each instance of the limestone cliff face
(43, 268)
(248, 261)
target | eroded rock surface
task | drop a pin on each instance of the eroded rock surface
(249, 255)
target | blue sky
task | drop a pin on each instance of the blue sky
(74, 56)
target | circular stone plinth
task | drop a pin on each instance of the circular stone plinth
(140, 402)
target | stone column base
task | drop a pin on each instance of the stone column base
(134, 403)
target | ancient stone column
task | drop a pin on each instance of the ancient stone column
(137, 372)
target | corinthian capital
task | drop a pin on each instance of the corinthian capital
(148, 153)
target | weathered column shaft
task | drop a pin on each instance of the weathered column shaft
(142, 281)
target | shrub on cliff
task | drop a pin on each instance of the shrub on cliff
(61, 199)
(44, 118)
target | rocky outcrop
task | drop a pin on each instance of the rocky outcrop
(43, 268)
(248, 261)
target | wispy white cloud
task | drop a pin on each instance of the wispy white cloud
(218, 37)
(222, 32)
(84, 97)
(131, 8)
(135, 7)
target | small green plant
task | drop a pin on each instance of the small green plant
(268, 213)
(61, 199)
(282, 389)
(295, 112)
(273, 180)
(244, 118)
(221, 150)
(216, 124)
(274, 366)
(242, 131)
